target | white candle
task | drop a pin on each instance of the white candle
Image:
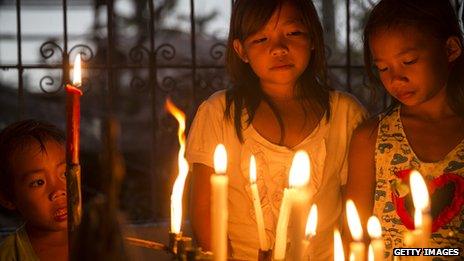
(296, 201)
(339, 254)
(354, 223)
(300, 202)
(281, 230)
(422, 218)
(263, 245)
(375, 232)
(370, 253)
(219, 211)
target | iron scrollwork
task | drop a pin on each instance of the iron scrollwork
(168, 84)
(48, 48)
(136, 54)
(217, 51)
(85, 51)
(47, 83)
(168, 52)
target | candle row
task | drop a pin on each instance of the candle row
(419, 237)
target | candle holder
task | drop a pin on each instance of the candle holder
(183, 245)
(181, 248)
(265, 255)
(174, 239)
(73, 181)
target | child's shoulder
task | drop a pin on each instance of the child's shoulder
(216, 100)
(17, 247)
(345, 99)
(346, 108)
(8, 248)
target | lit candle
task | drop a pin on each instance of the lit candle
(179, 184)
(282, 223)
(295, 199)
(354, 223)
(375, 232)
(370, 253)
(73, 169)
(300, 202)
(311, 226)
(219, 211)
(263, 245)
(73, 114)
(339, 254)
(422, 219)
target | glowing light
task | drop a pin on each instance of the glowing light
(374, 228)
(179, 183)
(300, 170)
(220, 159)
(311, 224)
(354, 223)
(77, 71)
(420, 194)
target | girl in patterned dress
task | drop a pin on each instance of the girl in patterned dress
(280, 102)
(416, 49)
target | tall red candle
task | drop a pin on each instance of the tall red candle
(73, 94)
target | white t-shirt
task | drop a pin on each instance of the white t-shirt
(327, 146)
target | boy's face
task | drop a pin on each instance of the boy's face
(40, 185)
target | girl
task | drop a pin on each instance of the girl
(415, 46)
(279, 103)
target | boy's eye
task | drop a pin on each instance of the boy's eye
(37, 183)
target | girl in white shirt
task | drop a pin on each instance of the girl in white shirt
(280, 102)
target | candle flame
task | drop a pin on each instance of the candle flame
(354, 223)
(77, 71)
(300, 170)
(339, 255)
(374, 228)
(252, 169)
(420, 194)
(179, 183)
(220, 159)
(370, 255)
(311, 223)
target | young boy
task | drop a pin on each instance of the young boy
(33, 183)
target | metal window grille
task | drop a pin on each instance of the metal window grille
(132, 77)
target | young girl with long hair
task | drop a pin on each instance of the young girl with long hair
(416, 49)
(280, 102)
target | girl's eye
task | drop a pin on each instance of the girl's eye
(410, 62)
(295, 33)
(37, 183)
(259, 40)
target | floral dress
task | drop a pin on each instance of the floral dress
(394, 159)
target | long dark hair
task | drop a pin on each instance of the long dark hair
(248, 17)
(433, 17)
